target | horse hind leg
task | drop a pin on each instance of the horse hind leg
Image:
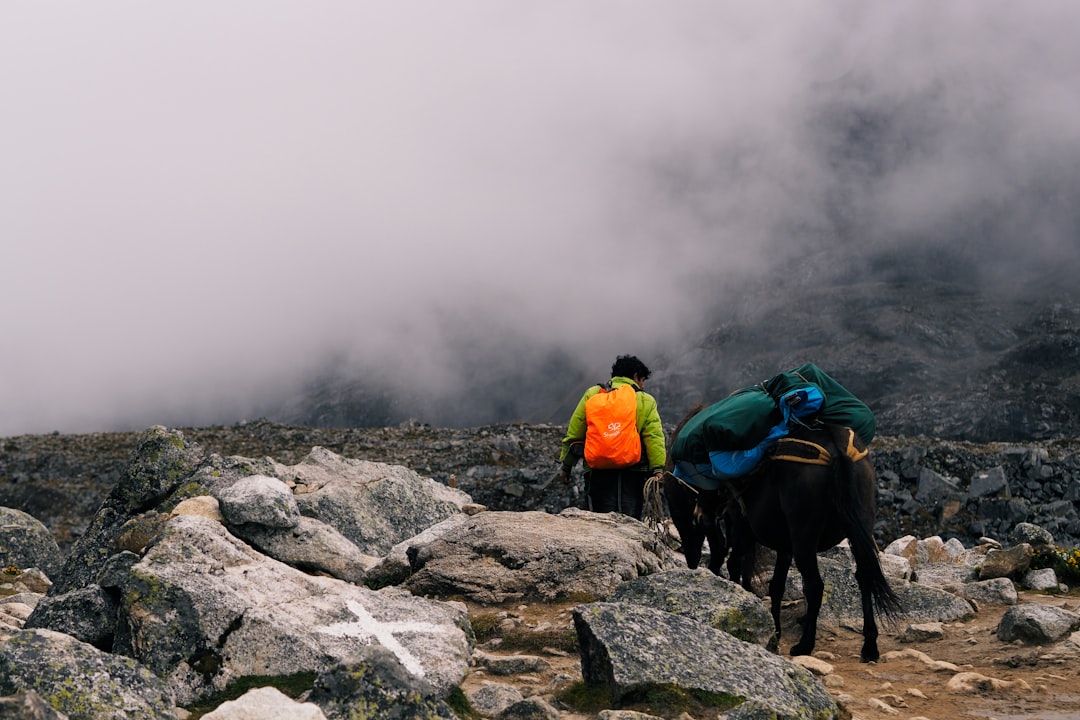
(813, 590)
(693, 542)
(742, 560)
(682, 504)
(777, 586)
(869, 652)
(707, 525)
(718, 547)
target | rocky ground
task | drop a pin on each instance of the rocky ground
(911, 681)
(61, 479)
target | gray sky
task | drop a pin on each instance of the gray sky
(199, 202)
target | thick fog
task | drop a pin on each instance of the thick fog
(203, 206)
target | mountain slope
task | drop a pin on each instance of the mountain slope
(951, 359)
(936, 343)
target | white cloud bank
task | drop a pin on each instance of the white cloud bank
(199, 202)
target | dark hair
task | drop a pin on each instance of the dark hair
(629, 366)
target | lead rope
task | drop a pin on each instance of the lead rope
(653, 511)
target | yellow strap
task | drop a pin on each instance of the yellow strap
(854, 454)
(851, 452)
(802, 460)
(823, 457)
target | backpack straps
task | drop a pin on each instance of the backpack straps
(608, 387)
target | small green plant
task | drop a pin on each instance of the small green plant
(663, 700)
(586, 698)
(291, 685)
(485, 626)
(1066, 563)
(672, 698)
(459, 703)
(581, 597)
(533, 641)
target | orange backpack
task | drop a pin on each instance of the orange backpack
(611, 435)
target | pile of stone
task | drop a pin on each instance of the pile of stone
(927, 487)
(966, 491)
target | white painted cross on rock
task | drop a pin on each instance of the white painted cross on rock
(367, 626)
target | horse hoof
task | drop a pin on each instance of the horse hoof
(801, 649)
(868, 656)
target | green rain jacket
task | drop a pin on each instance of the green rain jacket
(649, 426)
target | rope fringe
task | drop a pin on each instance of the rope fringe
(653, 512)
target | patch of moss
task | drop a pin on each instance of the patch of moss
(679, 701)
(582, 597)
(485, 626)
(183, 492)
(70, 701)
(148, 589)
(461, 706)
(533, 641)
(372, 584)
(667, 701)
(585, 698)
(735, 623)
(292, 686)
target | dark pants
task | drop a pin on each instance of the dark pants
(620, 491)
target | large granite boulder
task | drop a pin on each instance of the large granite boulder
(705, 597)
(82, 681)
(202, 609)
(25, 542)
(492, 557)
(628, 649)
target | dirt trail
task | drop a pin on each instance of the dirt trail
(911, 680)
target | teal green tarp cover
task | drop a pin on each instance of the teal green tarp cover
(743, 419)
(840, 408)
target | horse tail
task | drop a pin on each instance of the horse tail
(854, 466)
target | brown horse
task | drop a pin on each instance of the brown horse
(817, 488)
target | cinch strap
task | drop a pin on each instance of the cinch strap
(808, 453)
(851, 452)
(801, 451)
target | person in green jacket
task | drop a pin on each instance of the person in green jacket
(618, 490)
